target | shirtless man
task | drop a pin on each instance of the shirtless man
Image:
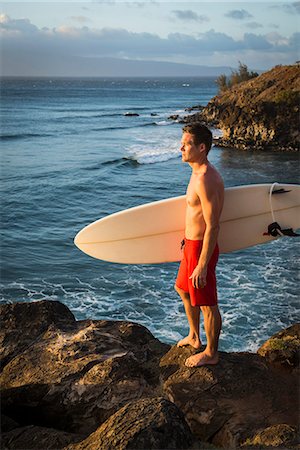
(196, 279)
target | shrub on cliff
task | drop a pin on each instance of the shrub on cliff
(236, 77)
(289, 98)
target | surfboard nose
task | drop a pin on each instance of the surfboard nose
(77, 240)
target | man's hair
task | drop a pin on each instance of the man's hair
(200, 133)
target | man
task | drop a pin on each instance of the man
(196, 279)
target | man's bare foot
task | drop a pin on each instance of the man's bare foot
(190, 340)
(201, 359)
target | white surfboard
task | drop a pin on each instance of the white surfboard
(152, 233)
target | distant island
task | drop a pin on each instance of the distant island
(259, 114)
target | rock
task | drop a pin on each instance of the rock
(279, 436)
(262, 113)
(78, 375)
(131, 114)
(38, 438)
(153, 114)
(7, 424)
(173, 117)
(283, 349)
(195, 108)
(111, 384)
(23, 323)
(227, 403)
(144, 424)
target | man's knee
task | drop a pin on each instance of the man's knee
(184, 295)
(177, 289)
(207, 309)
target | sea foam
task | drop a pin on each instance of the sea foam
(146, 154)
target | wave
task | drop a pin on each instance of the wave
(125, 161)
(141, 125)
(79, 117)
(217, 133)
(93, 110)
(8, 137)
(163, 123)
(135, 158)
(112, 162)
(158, 153)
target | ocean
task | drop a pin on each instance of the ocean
(71, 155)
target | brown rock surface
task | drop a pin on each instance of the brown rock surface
(144, 424)
(37, 438)
(23, 323)
(279, 436)
(63, 379)
(228, 403)
(75, 379)
(283, 349)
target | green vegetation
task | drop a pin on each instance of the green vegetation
(288, 97)
(236, 77)
(285, 343)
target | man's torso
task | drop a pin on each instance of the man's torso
(194, 221)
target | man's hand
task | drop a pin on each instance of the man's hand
(198, 277)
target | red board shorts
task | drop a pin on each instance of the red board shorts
(206, 296)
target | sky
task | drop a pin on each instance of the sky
(60, 38)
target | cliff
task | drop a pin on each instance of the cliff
(98, 384)
(262, 113)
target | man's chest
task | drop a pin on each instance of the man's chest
(192, 197)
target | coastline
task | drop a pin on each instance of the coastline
(95, 384)
(260, 114)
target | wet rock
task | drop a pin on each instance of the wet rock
(195, 108)
(283, 349)
(173, 117)
(227, 403)
(131, 114)
(145, 424)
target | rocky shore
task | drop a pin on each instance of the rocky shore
(259, 114)
(98, 384)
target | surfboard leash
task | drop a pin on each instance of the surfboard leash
(274, 229)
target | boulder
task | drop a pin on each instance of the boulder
(74, 378)
(7, 424)
(195, 108)
(283, 349)
(37, 438)
(229, 403)
(144, 424)
(279, 436)
(23, 323)
(111, 384)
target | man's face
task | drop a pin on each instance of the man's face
(190, 152)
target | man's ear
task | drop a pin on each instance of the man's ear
(202, 148)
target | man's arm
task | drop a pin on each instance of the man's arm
(211, 208)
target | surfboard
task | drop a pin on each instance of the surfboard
(152, 233)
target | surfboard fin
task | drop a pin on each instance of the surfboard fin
(280, 191)
(274, 229)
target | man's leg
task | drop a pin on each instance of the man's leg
(212, 326)
(193, 316)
